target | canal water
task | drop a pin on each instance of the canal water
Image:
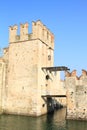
(54, 121)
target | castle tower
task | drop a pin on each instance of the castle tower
(28, 53)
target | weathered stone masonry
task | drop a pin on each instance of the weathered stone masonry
(76, 95)
(22, 80)
(23, 77)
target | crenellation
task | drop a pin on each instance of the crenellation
(12, 33)
(76, 95)
(23, 32)
(14, 27)
(67, 74)
(84, 72)
(73, 73)
(39, 31)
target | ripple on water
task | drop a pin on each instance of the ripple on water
(54, 121)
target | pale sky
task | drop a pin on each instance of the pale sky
(67, 20)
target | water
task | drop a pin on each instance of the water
(46, 122)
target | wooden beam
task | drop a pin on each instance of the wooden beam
(48, 96)
(59, 68)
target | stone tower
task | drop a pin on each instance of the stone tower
(27, 54)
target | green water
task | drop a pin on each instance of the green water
(46, 122)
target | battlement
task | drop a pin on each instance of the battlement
(39, 31)
(76, 93)
(74, 74)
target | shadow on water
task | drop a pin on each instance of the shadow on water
(55, 121)
(52, 105)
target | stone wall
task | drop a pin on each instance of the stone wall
(0, 87)
(22, 78)
(76, 95)
(2, 84)
(23, 81)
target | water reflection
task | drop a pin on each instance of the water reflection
(46, 122)
(76, 125)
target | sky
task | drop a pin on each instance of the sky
(67, 20)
